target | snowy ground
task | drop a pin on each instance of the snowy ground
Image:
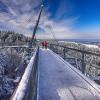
(12, 67)
(58, 80)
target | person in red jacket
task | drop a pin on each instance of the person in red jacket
(43, 44)
(46, 44)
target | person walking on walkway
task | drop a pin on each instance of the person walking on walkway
(43, 44)
(46, 44)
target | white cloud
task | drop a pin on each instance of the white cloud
(22, 16)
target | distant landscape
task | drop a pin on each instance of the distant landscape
(85, 41)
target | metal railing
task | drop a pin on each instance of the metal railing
(27, 88)
(65, 49)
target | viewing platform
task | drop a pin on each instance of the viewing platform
(50, 77)
(58, 80)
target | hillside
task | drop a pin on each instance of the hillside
(11, 38)
(12, 62)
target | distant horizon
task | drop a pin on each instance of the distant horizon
(52, 38)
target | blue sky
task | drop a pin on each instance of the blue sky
(68, 18)
(88, 12)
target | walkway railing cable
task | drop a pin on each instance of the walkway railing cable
(35, 28)
(52, 33)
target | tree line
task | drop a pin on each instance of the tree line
(11, 37)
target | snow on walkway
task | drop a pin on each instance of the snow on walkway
(58, 80)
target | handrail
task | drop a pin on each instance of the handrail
(27, 88)
(78, 50)
(83, 53)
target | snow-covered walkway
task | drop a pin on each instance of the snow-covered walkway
(58, 80)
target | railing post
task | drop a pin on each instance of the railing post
(54, 48)
(50, 46)
(57, 49)
(64, 53)
(83, 63)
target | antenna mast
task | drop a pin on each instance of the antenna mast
(36, 26)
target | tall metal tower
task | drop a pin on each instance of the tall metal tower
(35, 28)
